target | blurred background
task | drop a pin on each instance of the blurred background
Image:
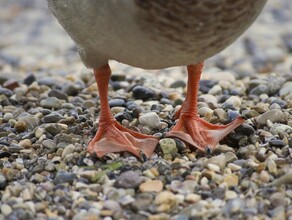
(31, 40)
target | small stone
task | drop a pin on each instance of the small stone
(215, 90)
(264, 176)
(51, 102)
(71, 89)
(272, 167)
(234, 101)
(141, 92)
(26, 143)
(274, 115)
(49, 144)
(280, 128)
(7, 116)
(3, 182)
(283, 180)
(286, 89)
(219, 160)
(58, 94)
(68, 150)
(151, 186)
(112, 205)
(64, 177)
(128, 179)
(29, 79)
(6, 209)
(117, 103)
(30, 121)
(38, 132)
(186, 187)
(165, 200)
(168, 146)
(231, 180)
(229, 194)
(20, 126)
(208, 98)
(55, 128)
(52, 118)
(278, 199)
(193, 198)
(234, 167)
(213, 167)
(150, 119)
(178, 84)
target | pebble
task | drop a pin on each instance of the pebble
(274, 115)
(30, 121)
(141, 92)
(165, 200)
(128, 179)
(280, 128)
(3, 182)
(20, 126)
(6, 209)
(219, 161)
(193, 198)
(150, 119)
(235, 101)
(231, 180)
(151, 186)
(58, 94)
(264, 176)
(68, 150)
(7, 116)
(286, 89)
(51, 102)
(64, 177)
(229, 194)
(168, 147)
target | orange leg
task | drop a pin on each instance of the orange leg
(190, 127)
(111, 136)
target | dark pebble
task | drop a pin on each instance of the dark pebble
(64, 177)
(6, 92)
(116, 85)
(245, 129)
(71, 89)
(260, 89)
(137, 111)
(52, 118)
(141, 92)
(3, 182)
(157, 107)
(124, 115)
(118, 77)
(290, 143)
(29, 79)
(58, 94)
(4, 154)
(277, 143)
(117, 102)
(178, 84)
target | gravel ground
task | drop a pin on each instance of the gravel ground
(48, 111)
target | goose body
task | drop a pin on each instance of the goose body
(154, 34)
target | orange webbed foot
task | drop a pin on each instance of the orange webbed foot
(114, 138)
